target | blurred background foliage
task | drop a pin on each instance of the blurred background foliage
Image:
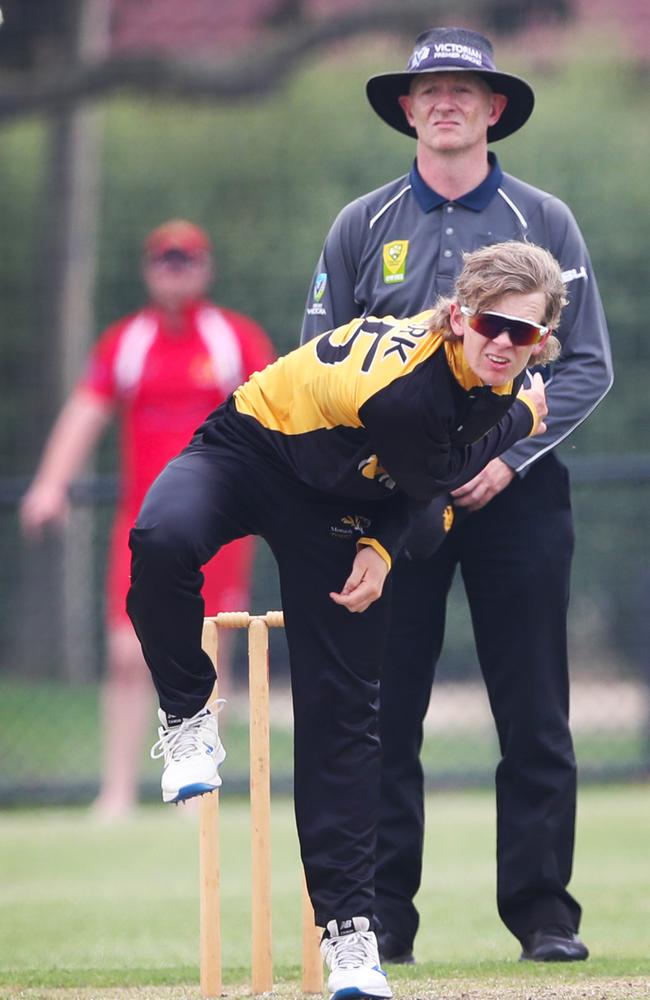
(267, 180)
(266, 177)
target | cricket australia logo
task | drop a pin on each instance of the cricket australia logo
(320, 284)
(350, 525)
(394, 256)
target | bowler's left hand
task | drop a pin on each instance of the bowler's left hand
(366, 581)
(482, 488)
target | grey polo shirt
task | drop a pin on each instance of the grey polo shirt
(394, 250)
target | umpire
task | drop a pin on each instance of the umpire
(392, 251)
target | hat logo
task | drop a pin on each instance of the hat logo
(449, 50)
(445, 50)
(452, 50)
(419, 56)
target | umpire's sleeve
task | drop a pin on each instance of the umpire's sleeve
(583, 374)
(331, 299)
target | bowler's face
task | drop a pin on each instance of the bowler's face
(497, 362)
(451, 112)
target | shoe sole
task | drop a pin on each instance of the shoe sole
(554, 958)
(190, 791)
(353, 993)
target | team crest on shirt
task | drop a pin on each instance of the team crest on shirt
(370, 468)
(349, 525)
(356, 522)
(448, 518)
(394, 256)
(202, 373)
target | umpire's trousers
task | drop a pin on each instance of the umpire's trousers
(515, 558)
(203, 499)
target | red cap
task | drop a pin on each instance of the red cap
(177, 235)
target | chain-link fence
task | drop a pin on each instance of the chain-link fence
(53, 658)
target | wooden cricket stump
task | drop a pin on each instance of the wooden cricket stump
(260, 805)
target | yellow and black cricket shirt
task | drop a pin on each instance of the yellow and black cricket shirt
(372, 409)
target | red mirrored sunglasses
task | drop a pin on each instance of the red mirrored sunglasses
(522, 332)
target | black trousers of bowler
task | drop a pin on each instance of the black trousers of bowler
(515, 558)
(204, 499)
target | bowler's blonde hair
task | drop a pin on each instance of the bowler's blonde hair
(503, 269)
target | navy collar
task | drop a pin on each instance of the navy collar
(476, 200)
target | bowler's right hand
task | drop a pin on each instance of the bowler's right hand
(536, 394)
(365, 583)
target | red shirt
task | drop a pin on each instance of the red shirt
(165, 381)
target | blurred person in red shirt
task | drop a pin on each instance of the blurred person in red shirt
(161, 370)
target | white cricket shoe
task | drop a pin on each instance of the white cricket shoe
(192, 752)
(349, 949)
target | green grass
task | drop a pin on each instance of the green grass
(89, 906)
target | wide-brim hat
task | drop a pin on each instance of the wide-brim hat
(456, 50)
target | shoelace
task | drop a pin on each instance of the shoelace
(184, 740)
(352, 950)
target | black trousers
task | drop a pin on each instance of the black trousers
(515, 558)
(206, 497)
